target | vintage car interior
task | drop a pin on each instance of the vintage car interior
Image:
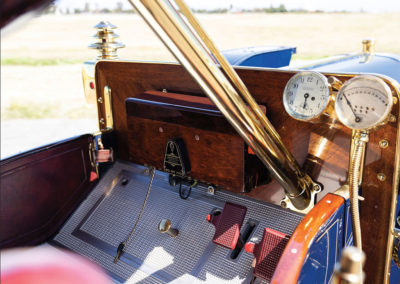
(202, 172)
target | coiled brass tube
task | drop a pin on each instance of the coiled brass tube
(356, 164)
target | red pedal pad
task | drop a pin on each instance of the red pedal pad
(267, 252)
(228, 224)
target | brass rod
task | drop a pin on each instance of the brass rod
(234, 78)
(255, 129)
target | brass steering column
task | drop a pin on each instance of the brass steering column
(191, 46)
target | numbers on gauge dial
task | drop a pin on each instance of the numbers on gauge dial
(363, 102)
(306, 95)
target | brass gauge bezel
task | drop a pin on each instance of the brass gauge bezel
(343, 118)
(316, 116)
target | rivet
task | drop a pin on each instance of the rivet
(100, 100)
(164, 90)
(392, 118)
(383, 143)
(197, 137)
(101, 120)
(381, 176)
(161, 130)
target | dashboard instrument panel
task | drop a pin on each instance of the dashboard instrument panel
(321, 149)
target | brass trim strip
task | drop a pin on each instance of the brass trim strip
(108, 108)
(396, 87)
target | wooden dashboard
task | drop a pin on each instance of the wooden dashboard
(321, 149)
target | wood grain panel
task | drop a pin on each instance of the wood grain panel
(218, 156)
(321, 149)
(39, 190)
(227, 149)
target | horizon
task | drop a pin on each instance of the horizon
(369, 6)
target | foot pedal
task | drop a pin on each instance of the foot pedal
(227, 224)
(267, 252)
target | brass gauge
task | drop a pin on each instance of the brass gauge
(306, 95)
(364, 102)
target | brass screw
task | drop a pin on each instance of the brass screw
(395, 100)
(283, 204)
(383, 143)
(100, 100)
(392, 118)
(381, 176)
(101, 121)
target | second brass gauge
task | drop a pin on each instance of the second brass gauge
(364, 102)
(306, 95)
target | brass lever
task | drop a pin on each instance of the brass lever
(165, 227)
(183, 35)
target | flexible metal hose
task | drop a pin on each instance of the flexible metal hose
(354, 179)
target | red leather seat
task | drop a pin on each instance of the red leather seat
(48, 265)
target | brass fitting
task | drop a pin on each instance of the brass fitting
(368, 46)
(165, 227)
(350, 269)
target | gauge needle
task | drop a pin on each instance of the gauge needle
(306, 95)
(357, 118)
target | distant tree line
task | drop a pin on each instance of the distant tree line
(120, 9)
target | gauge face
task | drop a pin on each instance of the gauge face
(306, 95)
(363, 102)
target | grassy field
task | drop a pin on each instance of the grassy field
(40, 62)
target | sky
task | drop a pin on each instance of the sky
(324, 5)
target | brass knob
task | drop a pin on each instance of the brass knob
(165, 227)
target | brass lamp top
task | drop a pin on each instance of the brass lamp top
(106, 25)
(106, 45)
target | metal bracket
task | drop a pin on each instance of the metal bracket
(396, 233)
(287, 202)
(92, 156)
(211, 190)
(98, 154)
